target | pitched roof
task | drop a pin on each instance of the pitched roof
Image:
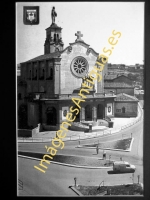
(114, 76)
(45, 56)
(125, 75)
(110, 77)
(117, 85)
(125, 97)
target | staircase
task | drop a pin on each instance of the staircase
(103, 122)
(20, 184)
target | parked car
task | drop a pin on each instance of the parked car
(123, 166)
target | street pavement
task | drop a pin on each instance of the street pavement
(58, 178)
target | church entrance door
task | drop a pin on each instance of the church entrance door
(77, 116)
(51, 116)
(100, 111)
(88, 113)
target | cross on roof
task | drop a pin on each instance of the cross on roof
(79, 35)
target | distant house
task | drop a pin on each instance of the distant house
(118, 84)
(116, 67)
(126, 106)
(139, 66)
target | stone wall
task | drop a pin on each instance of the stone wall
(130, 109)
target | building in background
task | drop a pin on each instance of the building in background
(118, 84)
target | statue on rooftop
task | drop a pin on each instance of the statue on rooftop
(53, 15)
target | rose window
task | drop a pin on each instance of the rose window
(79, 67)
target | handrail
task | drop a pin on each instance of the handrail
(100, 184)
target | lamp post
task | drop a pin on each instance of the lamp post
(75, 179)
(109, 159)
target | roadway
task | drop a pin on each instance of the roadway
(58, 178)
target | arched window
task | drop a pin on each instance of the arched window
(57, 49)
(55, 37)
(43, 73)
(36, 74)
(29, 74)
(51, 74)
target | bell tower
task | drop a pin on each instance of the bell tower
(53, 40)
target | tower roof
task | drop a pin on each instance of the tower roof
(53, 26)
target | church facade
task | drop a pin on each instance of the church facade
(53, 79)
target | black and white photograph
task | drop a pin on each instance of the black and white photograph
(80, 98)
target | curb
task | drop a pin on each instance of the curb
(64, 164)
(104, 148)
(128, 150)
(80, 194)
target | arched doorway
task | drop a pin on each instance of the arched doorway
(77, 119)
(51, 116)
(88, 113)
(22, 116)
(100, 111)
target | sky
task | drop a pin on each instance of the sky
(95, 20)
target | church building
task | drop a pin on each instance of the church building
(54, 78)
